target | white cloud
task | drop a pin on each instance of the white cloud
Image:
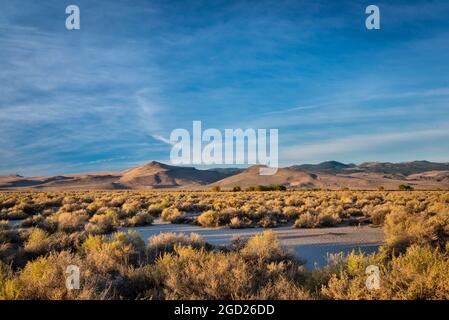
(356, 143)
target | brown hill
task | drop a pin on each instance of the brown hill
(285, 176)
(159, 175)
(327, 175)
(294, 178)
(150, 175)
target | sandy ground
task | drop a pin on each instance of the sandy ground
(311, 244)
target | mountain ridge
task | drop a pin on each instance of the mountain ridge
(332, 174)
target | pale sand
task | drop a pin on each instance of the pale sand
(310, 244)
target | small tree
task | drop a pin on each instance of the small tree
(216, 189)
(236, 189)
(404, 187)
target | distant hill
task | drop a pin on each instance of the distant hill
(285, 176)
(151, 175)
(327, 166)
(228, 171)
(156, 174)
(404, 168)
(334, 176)
(401, 168)
(327, 175)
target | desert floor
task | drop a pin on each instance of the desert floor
(311, 244)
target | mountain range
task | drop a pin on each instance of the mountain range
(423, 175)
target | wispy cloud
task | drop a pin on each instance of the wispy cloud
(357, 143)
(111, 93)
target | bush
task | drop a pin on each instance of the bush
(155, 209)
(306, 220)
(404, 187)
(38, 242)
(141, 219)
(115, 254)
(189, 273)
(265, 246)
(41, 222)
(4, 225)
(166, 242)
(100, 224)
(72, 221)
(418, 274)
(45, 279)
(403, 229)
(130, 208)
(9, 287)
(172, 215)
(237, 223)
(209, 218)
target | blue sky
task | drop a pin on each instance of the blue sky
(105, 97)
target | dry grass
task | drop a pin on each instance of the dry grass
(76, 228)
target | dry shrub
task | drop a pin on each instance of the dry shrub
(4, 225)
(116, 254)
(9, 288)
(9, 253)
(413, 263)
(306, 220)
(328, 220)
(9, 236)
(41, 222)
(265, 246)
(283, 288)
(45, 278)
(38, 242)
(139, 283)
(188, 273)
(378, 215)
(197, 274)
(291, 212)
(166, 242)
(420, 273)
(172, 215)
(72, 221)
(100, 224)
(403, 229)
(238, 223)
(268, 221)
(142, 218)
(321, 220)
(130, 208)
(209, 218)
(155, 209)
